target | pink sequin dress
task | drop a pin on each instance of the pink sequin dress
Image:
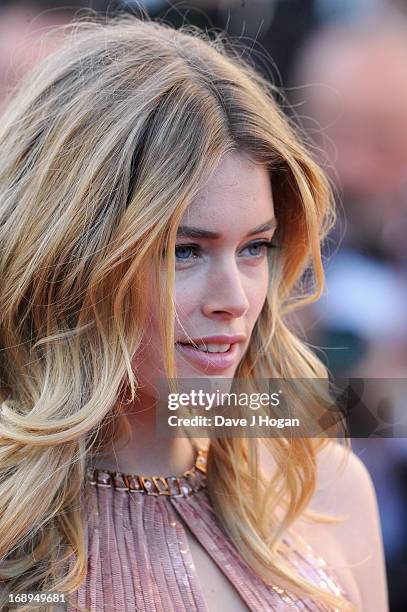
(138, 553)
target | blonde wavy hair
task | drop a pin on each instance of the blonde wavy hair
(101, 151)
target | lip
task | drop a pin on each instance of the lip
(212, 362)
(218, 339)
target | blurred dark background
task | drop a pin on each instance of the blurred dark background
(341, 66)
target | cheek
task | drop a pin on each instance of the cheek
(256, 291)
(188, 297)
(186, 301)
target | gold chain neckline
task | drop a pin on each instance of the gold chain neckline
(174, 486)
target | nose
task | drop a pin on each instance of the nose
(225, 293)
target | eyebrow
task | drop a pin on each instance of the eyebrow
(187, 231)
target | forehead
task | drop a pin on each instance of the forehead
(238, 194)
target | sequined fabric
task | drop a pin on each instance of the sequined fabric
(139, 558)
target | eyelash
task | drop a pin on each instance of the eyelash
(268, 244)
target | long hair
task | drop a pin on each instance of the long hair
(101, 151)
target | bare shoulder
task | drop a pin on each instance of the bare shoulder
(345, 489)
(352, 547)
(343, 483)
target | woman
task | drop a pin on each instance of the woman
(145, 176)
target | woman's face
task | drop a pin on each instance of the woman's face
(221, 275)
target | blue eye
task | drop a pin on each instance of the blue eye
(185, 252)
(259, 249)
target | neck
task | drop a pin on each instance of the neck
(142, 451)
